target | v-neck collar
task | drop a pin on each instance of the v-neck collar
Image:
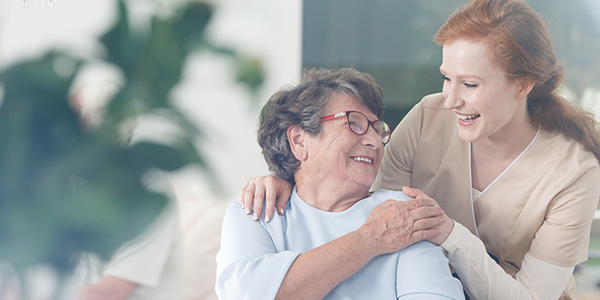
(473, 190)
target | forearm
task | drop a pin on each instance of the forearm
(318, 271)
(483, 278)
(480, 275)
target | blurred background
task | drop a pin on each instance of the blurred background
(111, 109)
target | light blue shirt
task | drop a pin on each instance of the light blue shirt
(255, 256)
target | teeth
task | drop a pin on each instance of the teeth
(468, 117)
(358, 158)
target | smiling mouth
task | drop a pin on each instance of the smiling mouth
(468, 118)
(364, 159)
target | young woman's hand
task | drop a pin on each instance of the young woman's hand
(271, 191)
(445, 227)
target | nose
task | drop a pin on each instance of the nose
(452, 99)
(372, 139)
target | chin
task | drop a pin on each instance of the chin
(468, 136)
(367, 183)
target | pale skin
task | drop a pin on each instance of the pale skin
(497, 125)
(473, 85)
(326, 169)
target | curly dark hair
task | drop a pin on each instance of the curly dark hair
(303, 105)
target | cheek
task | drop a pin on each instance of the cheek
(380, 153)
(499, 108)
(445, 89)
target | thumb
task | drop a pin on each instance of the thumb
(410, 191)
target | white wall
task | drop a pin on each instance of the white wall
(266, 29)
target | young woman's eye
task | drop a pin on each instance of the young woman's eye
(445, 78)
(470, 85)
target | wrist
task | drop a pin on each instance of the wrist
(365, 243)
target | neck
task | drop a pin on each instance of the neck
(328, 196)
(509, 141)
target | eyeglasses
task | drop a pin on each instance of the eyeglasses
(359, 124)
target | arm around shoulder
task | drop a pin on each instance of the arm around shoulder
(249, 265)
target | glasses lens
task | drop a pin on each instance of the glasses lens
(357, 122)
(383, 130)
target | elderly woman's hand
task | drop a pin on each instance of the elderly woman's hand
(272, 189)
(445, 227)
(395, 225)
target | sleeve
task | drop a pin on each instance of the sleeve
(483, 278)
(248, 265)
(142, 260)
(423, 273)
(563, 238)
(395, 170)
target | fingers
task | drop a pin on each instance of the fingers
(394, 225)
(419, 202)
(243, 193)
(281, 191)
(420, 235)
(399, 214)
(266, 191)
(259, 196)
(427, 223)
(272, 195)
(424, 212)
(283, 196)
(414, 193)
(409, 191)
(270, 201)
(252, 195)
(247, 195)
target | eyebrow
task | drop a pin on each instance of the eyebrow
(463, 76)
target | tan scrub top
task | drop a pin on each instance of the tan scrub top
(543, 204)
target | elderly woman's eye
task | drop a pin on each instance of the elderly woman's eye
(354, 126)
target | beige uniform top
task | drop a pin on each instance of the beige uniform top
(542, 205)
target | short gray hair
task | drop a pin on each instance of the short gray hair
(303, 105)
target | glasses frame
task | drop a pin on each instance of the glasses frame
(370, 123)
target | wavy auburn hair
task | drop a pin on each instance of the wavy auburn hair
(519, 43)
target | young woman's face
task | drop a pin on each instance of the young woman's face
(486, 105)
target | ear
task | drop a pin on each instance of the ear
(297, 138)
(525, 86)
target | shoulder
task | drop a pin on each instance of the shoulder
(433, 101)
(570, 167)
(430, 112)
(568, 151)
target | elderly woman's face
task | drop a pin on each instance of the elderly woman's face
(341, 154)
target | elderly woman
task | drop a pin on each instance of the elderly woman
(326, 137)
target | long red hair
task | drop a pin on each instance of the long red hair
(519, 43)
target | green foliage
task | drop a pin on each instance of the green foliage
(65, 189)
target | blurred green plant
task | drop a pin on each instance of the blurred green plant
(66, 189)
